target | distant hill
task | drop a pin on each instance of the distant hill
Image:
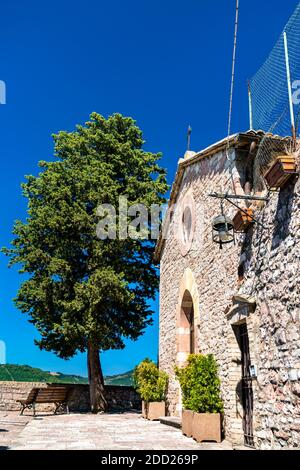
(23, 373)
(31, 374)
(121, 379)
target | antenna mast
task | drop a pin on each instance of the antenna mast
(233, 66)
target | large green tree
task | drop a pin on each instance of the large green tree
(83, 293)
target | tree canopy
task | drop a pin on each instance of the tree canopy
(81, 289)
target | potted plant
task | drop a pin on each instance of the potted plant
(200, 385)
(281, 170)
(151, 384)
(242, 220)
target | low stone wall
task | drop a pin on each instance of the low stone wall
(119, 398)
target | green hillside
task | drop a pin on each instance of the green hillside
(30, 374)
(23, 373)
(121, 379)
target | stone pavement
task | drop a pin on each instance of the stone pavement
(128, 431)
(11, 425)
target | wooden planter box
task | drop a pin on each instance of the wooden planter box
(281, 170)
(207, 427)
(187, 423)
(153, 410)
(241, 221)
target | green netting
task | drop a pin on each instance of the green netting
(269, 91)
(270, 97)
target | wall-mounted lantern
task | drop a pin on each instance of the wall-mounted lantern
(222, 230)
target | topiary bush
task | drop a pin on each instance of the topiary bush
(150, 382)
(200, 384)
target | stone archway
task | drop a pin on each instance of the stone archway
(187, 321)
(187, 318)
(186, 336)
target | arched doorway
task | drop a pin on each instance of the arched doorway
(186, 343)
(187, 318)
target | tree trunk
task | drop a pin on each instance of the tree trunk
(96, 381)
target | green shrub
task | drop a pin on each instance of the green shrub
(150, 382)
(200, 384)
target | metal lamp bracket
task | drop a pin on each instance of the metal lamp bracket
(232, 197)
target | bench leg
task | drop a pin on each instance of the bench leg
(33, 408)
(62, 407)
(58, 407)
(22, 409)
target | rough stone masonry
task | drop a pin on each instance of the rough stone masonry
(254, 283)
(119, 398)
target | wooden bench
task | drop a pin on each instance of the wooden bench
(57, 395)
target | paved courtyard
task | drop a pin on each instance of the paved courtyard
(128, 431)
(11, 425)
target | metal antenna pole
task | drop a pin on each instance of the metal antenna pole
(233, 66)
(250, 106)
(288, 76)
(236, 24)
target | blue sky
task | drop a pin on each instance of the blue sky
(166, 63)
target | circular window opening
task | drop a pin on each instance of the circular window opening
(187, 224)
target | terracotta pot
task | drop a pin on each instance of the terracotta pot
(144, 409)
(187, 423)
(153, 410)
(280, 171)
(207, 427)
(241, 221)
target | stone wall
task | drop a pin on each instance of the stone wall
(271, 259)
(119, 398)
(264, 264)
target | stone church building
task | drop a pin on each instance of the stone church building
(241, 303)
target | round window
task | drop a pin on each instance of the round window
(187, 224)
